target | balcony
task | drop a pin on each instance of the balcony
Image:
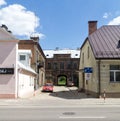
(40, 64)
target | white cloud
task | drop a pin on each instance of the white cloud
(2, 2)
(19, 20)
(115, 21)
(106, 15)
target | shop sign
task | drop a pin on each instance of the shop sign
(6, 70)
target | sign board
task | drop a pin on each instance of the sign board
(87, 76)
(6, 70)
(88, 70)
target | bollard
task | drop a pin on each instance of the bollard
(104, 95)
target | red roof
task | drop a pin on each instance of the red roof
(105, 42)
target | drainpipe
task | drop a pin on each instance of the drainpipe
(99, 79)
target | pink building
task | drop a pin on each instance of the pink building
(13, 74)
(8, 64)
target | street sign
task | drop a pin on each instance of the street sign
(88, 70)
(87, 76)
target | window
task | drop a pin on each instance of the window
(69, 65)
(61, 65)
(114, 73)
(82, 58)
(49, 65)
(88, 53)
(55, 66)
(118, 46)
(22, 57)
(75, 65)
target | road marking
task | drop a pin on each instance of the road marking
(82, 117)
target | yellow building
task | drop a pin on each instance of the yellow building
(100, 61)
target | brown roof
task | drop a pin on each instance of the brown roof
(104, 42)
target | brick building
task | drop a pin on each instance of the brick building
(37, 59)
(61, 66)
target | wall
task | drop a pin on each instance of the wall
(8, 59)
(40, 60)
(111, 88)
(87, 60)
(25, 86)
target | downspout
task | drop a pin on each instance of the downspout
(99, 79)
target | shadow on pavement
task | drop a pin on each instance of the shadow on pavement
(70, 94)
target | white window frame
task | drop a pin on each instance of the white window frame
(114, 72)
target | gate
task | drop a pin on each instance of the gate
(62, 80)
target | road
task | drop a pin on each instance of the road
(62, 105)
(33, 113)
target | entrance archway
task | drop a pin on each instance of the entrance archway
(62, 80)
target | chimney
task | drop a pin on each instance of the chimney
(35, 39)
(92, 26)
(4, 27)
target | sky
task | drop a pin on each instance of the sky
(58, 23)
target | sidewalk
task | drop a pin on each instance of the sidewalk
(62, 96)
(61, 102)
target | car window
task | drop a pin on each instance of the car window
(48, 84)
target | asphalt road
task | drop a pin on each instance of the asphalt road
(65, 104)
(33, 113)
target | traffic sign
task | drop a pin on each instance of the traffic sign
(87, 76)
(88, 70)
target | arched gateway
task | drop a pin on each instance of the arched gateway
(61, 80)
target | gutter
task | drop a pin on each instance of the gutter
(99, 79)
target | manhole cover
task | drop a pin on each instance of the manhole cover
(68, 113)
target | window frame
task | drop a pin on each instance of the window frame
(114, 72)
(88, 55)
(49, 65)
(83, 58)
(22, 56)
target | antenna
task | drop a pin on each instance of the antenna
(34, 34)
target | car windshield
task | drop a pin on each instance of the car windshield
(48, 84)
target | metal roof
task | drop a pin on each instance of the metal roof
(73, 53)
(105, 42)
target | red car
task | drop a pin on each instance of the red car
(48, 87)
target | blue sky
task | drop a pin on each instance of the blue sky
(59, 23)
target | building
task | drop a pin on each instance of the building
(16, 79)
(26, 75)
(100, 61)
(8, 64)
(62, 66)
(37, 60)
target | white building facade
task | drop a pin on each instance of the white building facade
(26, 75)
